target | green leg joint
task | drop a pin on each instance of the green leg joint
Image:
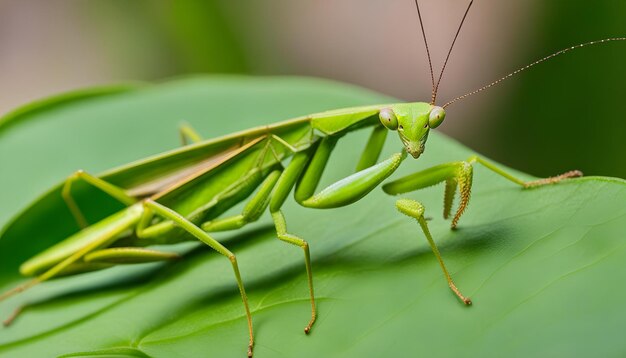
(526, 184)
(110, 189)
(188, 135)
(153, 208)
(460, 175)
(415, 210)
(281, 231)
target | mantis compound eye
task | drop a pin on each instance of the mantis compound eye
(388, 119)
(437, 116)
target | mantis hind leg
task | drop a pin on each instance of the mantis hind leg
(97, 260)
(109, 232)
(19, 310)
(110, 189)
(9, 320)
(152, 208)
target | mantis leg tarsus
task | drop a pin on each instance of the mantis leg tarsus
(18, 289)
(21, 288)
(416, 210)
(110, 189)
(554, 179)
(152, 208)
(16, 312)
(281, 231)
(188, 134)
(526, 184)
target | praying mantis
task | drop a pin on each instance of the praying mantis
(183, 194)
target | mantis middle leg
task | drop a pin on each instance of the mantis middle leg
(275, 187)
(305, 171)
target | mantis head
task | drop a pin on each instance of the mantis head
(413, 121)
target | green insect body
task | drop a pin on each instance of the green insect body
(183, 194)
(198, 183)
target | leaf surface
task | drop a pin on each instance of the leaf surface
(544, 267)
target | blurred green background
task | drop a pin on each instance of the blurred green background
(567, 113)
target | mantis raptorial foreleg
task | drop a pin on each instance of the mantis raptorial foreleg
(460, 174)
(152, 208)
(454, 174)
(349, 189)
(114, 191)
(188, 135)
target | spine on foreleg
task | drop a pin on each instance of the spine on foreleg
(464, 178)
(448, 197)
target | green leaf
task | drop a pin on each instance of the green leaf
(544, 267)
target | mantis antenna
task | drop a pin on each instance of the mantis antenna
(450, 51)
(533, 64)
(430, 63)
(435, 87)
